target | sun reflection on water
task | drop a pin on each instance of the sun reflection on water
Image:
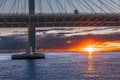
(90, 66)
(90, 62)
(90, 55)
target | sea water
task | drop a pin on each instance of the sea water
(62, 66)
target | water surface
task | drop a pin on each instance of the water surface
(62, 66)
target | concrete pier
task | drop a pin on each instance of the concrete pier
(28, 56)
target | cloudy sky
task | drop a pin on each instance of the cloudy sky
(63, 39)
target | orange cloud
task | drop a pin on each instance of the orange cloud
(108, 46)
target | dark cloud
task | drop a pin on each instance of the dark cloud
(50, 41)
(50, 29)
(12, 42)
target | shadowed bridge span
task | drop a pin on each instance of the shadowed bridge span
(59, 20)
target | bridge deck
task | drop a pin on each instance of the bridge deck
(56, 20)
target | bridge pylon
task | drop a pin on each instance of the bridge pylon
(30, 51)
(31, 28)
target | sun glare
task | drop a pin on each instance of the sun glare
(90, 49)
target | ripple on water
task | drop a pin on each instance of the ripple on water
(61, 66)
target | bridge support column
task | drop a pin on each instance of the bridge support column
(30, 52)
(31, 38)
(31, 27)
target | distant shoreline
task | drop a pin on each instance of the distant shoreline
(23, 51)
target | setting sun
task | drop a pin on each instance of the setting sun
(90, 49)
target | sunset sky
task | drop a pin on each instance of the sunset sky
(63, 39)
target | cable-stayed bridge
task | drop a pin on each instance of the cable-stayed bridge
(58, 13)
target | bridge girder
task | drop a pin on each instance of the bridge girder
(59, 20)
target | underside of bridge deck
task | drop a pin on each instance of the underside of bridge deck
(64, 20)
